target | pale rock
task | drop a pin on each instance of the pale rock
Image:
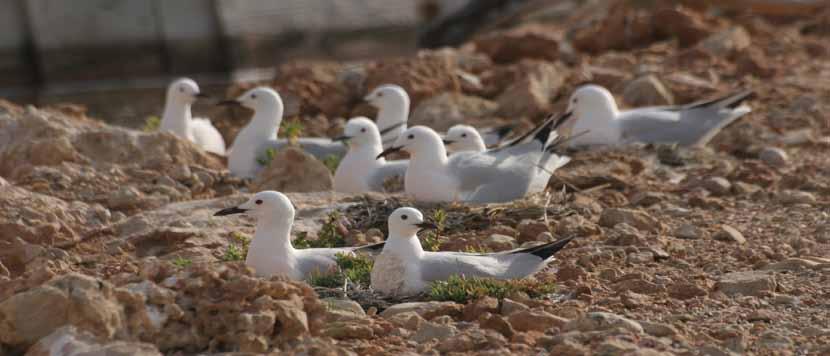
(647, 91)
(509, 306)
(774, 157)
(642, 221)
(445, 110)
(729, 234)
(750, 283)
(293, 170)
(726, 42)
(599, 321)
(433, 331)
(792, 197)
(688, 232)
(69, 340)
(427, 310)
(535, 320)
(499, 242)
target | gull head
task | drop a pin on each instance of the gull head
(259, 98)
(387, 95)
(184, 91)
(407, 222)
(590, 100)
(463, 138)
(360, 131)
(267, 204)
(417, 140)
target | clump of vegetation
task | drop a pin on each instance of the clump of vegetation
(351, 269)
(331, 162)
(182, 262)
(151, 123)
(476, 249)
(238, 249)
(292, 130)
(461, 289)
(328, 237)
(429, 239)
(267, 157)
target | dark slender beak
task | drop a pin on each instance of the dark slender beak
(426, 226)
(561, 120)
(448, 142)
(342, 138)
(390, 128)
(202, 96)
(388, 151)
(229, 103)
(229, 211)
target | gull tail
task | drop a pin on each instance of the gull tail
(547, 250)
(730, 101)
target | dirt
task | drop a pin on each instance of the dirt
(719, 250)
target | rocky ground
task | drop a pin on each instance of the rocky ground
(108, 244)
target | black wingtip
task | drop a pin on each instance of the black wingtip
(549, 249)
(503, 131)
(738, 98)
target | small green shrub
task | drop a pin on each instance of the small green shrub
(182, 262)
(237, 250)
(292, 130)
(331, 162)
(356, 269)
(151, 123)
(461, 290)
(267, 157)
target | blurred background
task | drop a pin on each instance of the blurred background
(116, 56)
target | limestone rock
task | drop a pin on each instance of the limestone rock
(293, 170)
(754, 283)
(647, 91)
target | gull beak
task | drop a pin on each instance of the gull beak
(390, 128)
(562, 119)
(426, 226)
(202, 96)
(230, 211)
(232, 102)
(448, 142)
(389, 151)
(342, 138)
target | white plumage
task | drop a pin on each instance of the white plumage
(177, 118)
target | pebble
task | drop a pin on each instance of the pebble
(688, 232)
(750, 283)
(774, 157)
(599, 321)
(717, 185)
(730, 234)
(792, 197)
(647, 91)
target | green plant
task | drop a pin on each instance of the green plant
(356, 269)
(292, 130)
(461, 290)
(331, 162)
(151, 123)
(237, 251)
(329, 236)
(429, 239)
(182, 262)
(267, 157)
(476, 249)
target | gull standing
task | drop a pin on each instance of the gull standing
(404, 268)
(597, 115)
(261, 133)
(392, 103)
(501, 174)
(271, 251)
(181, 94)
(359, 171)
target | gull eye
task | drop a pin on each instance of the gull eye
(411, 136)
(380, 95)
(576, 100)
(363, 130)
(181, 89)
(253, 96)
(258, 202)
(404, 217)
(463, 135)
